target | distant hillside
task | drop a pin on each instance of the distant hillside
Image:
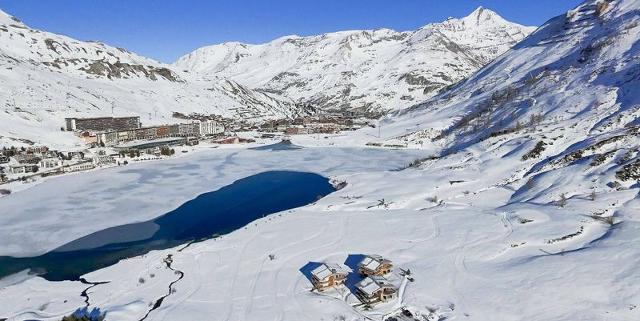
(375, 70)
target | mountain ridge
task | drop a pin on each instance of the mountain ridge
(355, 68)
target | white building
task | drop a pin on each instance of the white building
(23, 169)
(51, 162)
(189, 129)
(104, 160)
(210, 127)
(107, 138)
(77, 167)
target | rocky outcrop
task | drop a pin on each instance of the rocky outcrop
(125, 70)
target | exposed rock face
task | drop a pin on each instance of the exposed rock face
(370, 69)
(125, 70)
(630, 171)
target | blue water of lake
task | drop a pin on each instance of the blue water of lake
(206, 216)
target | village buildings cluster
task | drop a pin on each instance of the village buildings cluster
(17, 163)
(112, 131)
(330, 123)
(374, 288)
(115, 135)
(125, 134)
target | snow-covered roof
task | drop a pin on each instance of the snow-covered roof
(371, 284)
(325, 270)
(372, 262)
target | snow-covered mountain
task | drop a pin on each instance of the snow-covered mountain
(562, 102)
(45, 77)
(375, 70)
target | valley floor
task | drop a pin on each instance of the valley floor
(476, 248)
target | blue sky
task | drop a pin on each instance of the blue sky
(167, 29)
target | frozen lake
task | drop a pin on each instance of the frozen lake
(63, 209)
(209, 214)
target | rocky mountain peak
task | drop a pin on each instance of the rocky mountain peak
(480, 19)
(481, 14)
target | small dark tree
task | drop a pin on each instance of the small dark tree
(562, 202)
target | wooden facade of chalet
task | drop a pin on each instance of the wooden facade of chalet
(327, 276)
(374, 265)
(375, 289)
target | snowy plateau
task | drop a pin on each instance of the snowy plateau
(509, 193)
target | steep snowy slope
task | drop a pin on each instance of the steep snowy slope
(45, 77)
(369, 69)
(564, 99)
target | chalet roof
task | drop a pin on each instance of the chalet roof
(325, 270)
(372, 284)
(372, 262)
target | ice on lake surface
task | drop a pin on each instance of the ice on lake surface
(209, 214)
(63, 209)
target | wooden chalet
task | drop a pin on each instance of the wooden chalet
(328, 275)
(374, 265)
(375, 289)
